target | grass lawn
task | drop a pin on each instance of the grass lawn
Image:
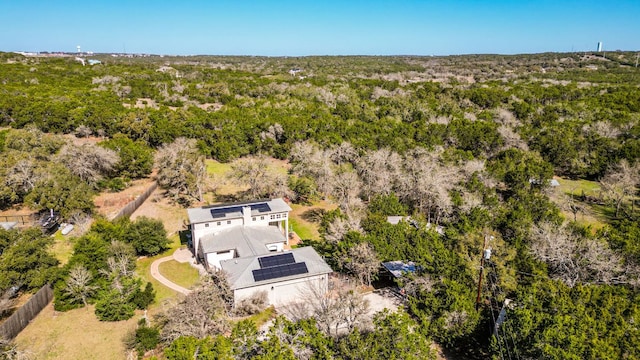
(182, 274)
(75, 334)
(262, 317)
(594, 215)
(143, 267)
(304, 228)
(578, 187)
(62, 247)
(219, 174)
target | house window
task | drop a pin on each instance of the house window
(278, 216)
(228, 222)
(273, 217)
(206, 225)
(284, 216)
(254, 219)
(219, 223)
(261, 217)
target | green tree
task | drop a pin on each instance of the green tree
(136, 158)
(147, 236)
(26, 261)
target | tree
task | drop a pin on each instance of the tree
(255, 173)
(363, 262)
(135, 157)
(621, 182)
(147, 236)
(202, 313)
(379, 171)
(334, 311)
(181, 170)
(26, 261)
(62, 192)
(576, 259)
(79, 286)
(91, 163)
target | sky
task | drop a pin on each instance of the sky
(329, 27)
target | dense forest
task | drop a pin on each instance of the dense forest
(465, 145)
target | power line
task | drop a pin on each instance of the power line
(494, 323)
(505, 322)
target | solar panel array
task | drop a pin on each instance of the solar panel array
(276, 260)
(261, 207)
(222, 212)
(275, 272)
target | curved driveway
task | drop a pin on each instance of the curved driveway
(163, 280)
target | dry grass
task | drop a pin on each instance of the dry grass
(75, 334)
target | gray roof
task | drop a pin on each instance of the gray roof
(240, 270)
(8, 225)
(234, 211)
(399, 268)
(246, 240)
(395, 220)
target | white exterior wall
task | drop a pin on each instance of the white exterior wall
(201, 229)
(213, 259)
(284, 292)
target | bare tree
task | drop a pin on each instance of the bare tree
(22, 177)
(339, 227)
(255, 173)
(427, 183)
(203, 312)
(252, 305)
(78, 285)
(181, 170)
(363, 262)
(310, 161)
(9, 351)
(275, 132)
(574, 259)
(346, 190)
(379, 171)
(344, 153)
(89, 162)
(334, 311)
(620, 182)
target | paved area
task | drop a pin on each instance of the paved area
(181, 256)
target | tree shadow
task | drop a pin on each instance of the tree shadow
(313, 215)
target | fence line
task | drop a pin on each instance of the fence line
(21, 318)
(21, 219)
(132, 206)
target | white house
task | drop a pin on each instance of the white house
(238, 230)
(285, 277)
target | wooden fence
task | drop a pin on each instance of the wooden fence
(20, 219)
(135, 204)
(21, 318)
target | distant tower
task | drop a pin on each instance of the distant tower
(600, 46)
(78, 47)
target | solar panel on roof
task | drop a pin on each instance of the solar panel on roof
(275, 272)
(222, 212)
(261, 207)
(276, 260)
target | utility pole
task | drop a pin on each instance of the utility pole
(486, 254)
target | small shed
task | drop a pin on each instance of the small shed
(399, 268)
